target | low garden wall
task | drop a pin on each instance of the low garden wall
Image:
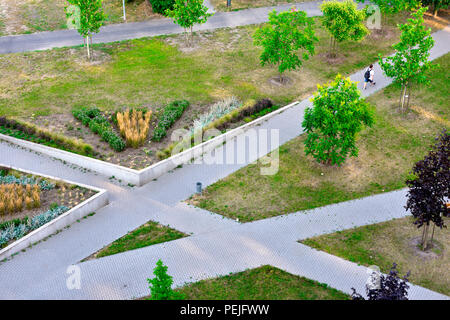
(92, 204)
(141, 177)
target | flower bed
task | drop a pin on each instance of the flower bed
(30, 132)
(137, 138)
(27, 202)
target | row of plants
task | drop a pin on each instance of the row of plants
(16, 197)
(27, 131)
(170, 114)
(99, 124)
(15, 231)
(6, 178)
(238, 112)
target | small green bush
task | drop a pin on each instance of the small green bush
(161, 284)
(161, 6)
(98, 124)
(171, 113)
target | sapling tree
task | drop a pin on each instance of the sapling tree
(187, 13)
(429, 188)
(337, 115)
(283, 36)
(388, 287)
(410, 62)
(91, 18)
(343, 21)
(161, 284)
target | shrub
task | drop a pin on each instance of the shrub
(249, 108)
(216, 111)
(160, 6)
(390, 287)
(17, 229)
(171, 113)
(98, 124)
(134, 125)
(161, 284)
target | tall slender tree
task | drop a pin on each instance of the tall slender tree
(161, 284)
(187, 13)
(343, 21)
(429, 189)
(282, 38)
(410, 62)
(91, 18)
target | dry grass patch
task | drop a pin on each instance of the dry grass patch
(221, 5)
(384, 243)
(29, 16)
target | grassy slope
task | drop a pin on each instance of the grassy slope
(146, 235)
(149, 71)
(383, 244)
(263, 283)
(387, 153)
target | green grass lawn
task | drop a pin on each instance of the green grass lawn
(144, 236)
(387, 152)
(384, 243)
(263, 283)
(149, 72)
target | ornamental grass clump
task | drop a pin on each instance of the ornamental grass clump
(134, 126)
(17, 197)
(216, 111)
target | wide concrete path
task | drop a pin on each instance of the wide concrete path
(133, 30)
(217, 246)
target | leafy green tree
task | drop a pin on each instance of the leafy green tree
(343, 21)
(436, 5)
(161, 284)
(91, 18)
(410, 62)
(187, 13)
(285, 34)
(331, 125)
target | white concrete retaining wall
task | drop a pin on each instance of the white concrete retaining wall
(102, 167)
(141, 177)
(88, 206)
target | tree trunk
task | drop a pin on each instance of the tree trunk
(425, 237)
(432, 234)
(88, 52)
(192, 35)
(403, 96)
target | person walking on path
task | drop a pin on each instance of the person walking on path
(368, 76)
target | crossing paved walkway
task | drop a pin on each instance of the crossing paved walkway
(217, 246)
(133, 30)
